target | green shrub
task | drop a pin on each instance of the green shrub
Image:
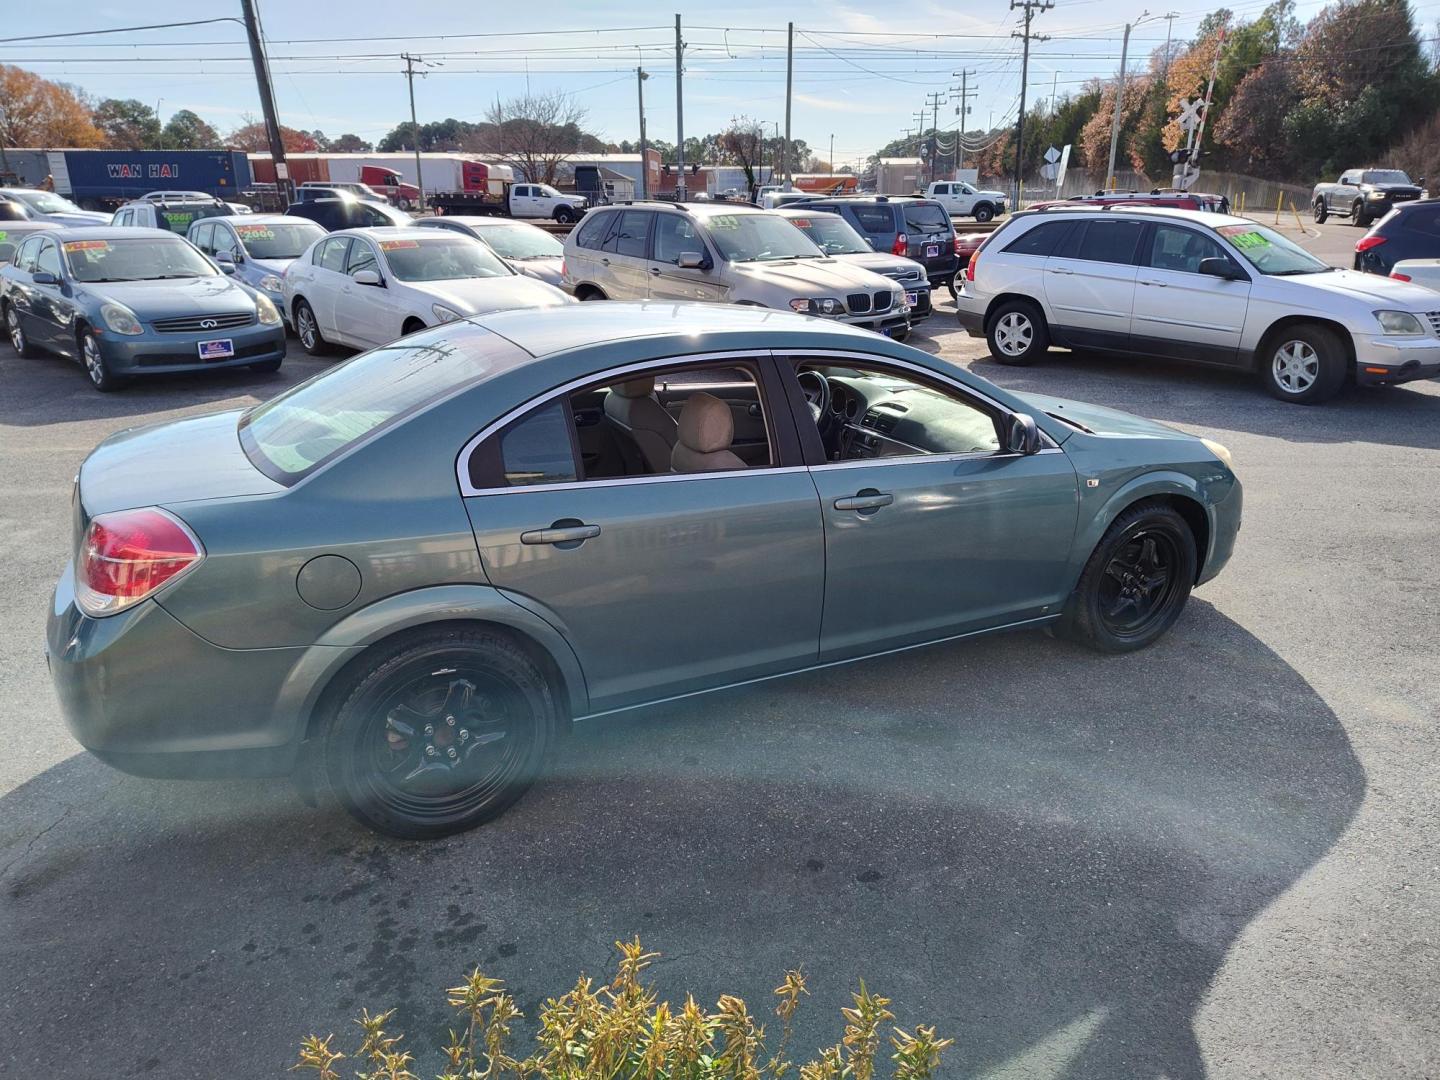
(622, 1031)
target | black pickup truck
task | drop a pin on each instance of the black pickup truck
(1363, 195)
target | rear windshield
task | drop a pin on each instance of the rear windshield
(292, 435)
(135, 259)
(178, 218)
(927, 217)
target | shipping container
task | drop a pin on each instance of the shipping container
(103, 179)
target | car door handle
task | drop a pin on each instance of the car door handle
(564, 534)
(604, 262)
(1157, 284)
(1055, 270)
(865, 500)
(655, 271)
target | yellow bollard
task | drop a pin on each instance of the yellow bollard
(1242, 203)
(1278, 200)
(1298, 223)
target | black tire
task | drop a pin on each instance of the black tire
(267, 367)
(1016, 333)
(565, 215)
(1357, 214)
(412, 326)
(901, 334)
(984, 212)
(1321, 211)
(1303, 364)
(589, 292)
(95, 365)
(16, 335)
(406, 205)
(1136, 582)
(393, 760)
(954, 292)
(307, 329)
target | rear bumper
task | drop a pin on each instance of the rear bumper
(1387, 361)
(970, 314)
(146, 695)
(156, 353)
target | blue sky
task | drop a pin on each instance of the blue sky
(860, 76)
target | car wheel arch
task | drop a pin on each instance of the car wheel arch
(1177, 490)
(1001, 299)
(413, 325)
(1288, 322)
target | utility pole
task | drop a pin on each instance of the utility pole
(934, 101)
(640, 78)
(785, 155)
(831, 159)
(410, 62)
(679, 114)
(267, 100)
(965, 95)
(1119, 101)
(1169, 18)
(1030, 7)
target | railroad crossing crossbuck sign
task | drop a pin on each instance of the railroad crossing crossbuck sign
(1189, 118)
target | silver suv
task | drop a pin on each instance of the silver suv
(1186, 285)
(723, 254)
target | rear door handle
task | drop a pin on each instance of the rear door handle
(865, 500)
(654, 271)
(604, 262)
(1157, 284)
(1055, 271)
(566, 534)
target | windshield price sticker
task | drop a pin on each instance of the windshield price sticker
(725, 221)
(801, 222)
(392, 245)
(1244, 238)
(255, 232)
(87, 245)
(175, 217)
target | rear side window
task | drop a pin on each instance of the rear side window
(874, 219)
(1041, 240)
(633, 236)
(1103, 241)
(593, 229)
(927, 217)
(536, 449)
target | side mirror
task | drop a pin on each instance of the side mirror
(367, 277)
(44, 277)
(227, 267)
(1024, 436)
(224, 259)
(692, 260)
(871, 241)
(1221, 268)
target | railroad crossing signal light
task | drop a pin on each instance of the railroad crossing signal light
(1181, 156)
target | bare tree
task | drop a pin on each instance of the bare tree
(536, 133)
(743, 143)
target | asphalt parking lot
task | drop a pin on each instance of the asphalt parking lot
(1214, 858)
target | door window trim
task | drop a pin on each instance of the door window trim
(785, 446)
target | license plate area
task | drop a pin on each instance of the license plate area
(219, 349)
(932, 251)
(912, 298)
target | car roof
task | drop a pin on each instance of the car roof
(253, 219)
(116, 232)
(481, 221)
(1201, 217)
(389, 232)
(30, 226)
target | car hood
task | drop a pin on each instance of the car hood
(151, 300)
(1098, 420)
(990, 194)
(545, 269)
(175, 462)
(78, 217)
(476, 296)
(1371, 288)
(809, 277)
(270, 266)
(878, 262)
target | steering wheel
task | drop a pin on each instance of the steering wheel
(816, 389)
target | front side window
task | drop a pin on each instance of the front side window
(441, 258)
(48, 259)
(1181, 250)
(331, 254)
(158, 259)
(362, 257)
(1270, 253)
(746, 238)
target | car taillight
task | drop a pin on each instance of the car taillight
(126, 556)
(901, 245)
(562, 268)
(957, 243)
(970, 267)
(1365, 243)
(1399, 276)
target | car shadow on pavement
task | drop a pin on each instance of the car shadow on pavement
(1044, 852)
(1226, 401)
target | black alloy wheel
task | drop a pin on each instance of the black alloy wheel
(446, 730)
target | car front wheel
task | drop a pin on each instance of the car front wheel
(984, 212)
(1304, 365)
(564, 215)
(439, 732)
(1357, 214)
(1017, 334)
(101, 377)
(1136, 582)
(1321, 213)
(307, 329)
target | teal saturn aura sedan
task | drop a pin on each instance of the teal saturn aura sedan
(400, 580)
(126, 302)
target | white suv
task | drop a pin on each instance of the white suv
(1183, 285)
(724, 254)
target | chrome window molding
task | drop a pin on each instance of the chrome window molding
(625, 481)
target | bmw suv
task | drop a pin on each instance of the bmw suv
(724, 254)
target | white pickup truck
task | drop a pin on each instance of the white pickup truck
(965, 200)
(517, 200)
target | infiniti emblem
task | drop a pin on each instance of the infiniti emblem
(208, 324)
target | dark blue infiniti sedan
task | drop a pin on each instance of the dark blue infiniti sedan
(126, 302)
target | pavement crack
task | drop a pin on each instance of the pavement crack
(5, 870)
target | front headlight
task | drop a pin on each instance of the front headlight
(1376, 195)
(271, 283)
(1221, 452)
(120, 320)
(825, 305)
(1399, 323)
(265, 308)
(443, 313)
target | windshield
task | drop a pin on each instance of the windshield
(48, 203)
(744, 238)
(522, 242)
(135, 260)
(832, 234)
(1385, 176)
(1271, 253)
(442, 259)
(278, 241)
(298, 431)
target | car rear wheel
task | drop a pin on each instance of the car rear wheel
(18, 341)
(307, 328)
(101, 377)
(439, 732)
(1321, 213)
(1136, 582)
(1017, 333)
(984, 212)
(1304, 365)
